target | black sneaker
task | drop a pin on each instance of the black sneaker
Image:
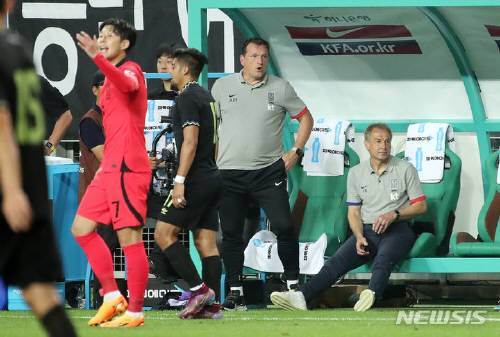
(234, 301)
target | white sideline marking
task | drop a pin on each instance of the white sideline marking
(174, 317)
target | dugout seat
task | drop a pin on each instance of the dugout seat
(488, 241)
(435, 226)
(320, 206)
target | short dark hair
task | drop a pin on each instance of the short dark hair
(192, 58)
(255, 40)
(381, 126)
(123, 29)
(164, 49)
(98, 79)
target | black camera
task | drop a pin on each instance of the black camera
(164, 174)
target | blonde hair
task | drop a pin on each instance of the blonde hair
(381, 126)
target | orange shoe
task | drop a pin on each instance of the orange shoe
(124, 321)
(108, 310)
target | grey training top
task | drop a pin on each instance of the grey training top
(397, 187)
(252, 120)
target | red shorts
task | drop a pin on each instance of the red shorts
(116, 197)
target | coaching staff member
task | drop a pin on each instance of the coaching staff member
(252, 107)
(383, 193)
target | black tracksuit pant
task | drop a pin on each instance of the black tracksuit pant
(385, 249)
(268, 186)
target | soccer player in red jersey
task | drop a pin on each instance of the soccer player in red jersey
(118, 192)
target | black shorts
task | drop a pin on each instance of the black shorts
(201, 212)
(29, 257)
(155, 203)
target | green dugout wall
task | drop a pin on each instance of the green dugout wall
(396, 61)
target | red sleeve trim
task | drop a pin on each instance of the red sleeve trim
(301, 113)
(417, 200)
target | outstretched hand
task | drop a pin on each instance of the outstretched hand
(87, 43)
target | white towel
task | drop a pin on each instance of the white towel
(324, 151)
(262, 254)
(425, 147)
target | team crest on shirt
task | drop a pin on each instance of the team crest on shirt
(395, 187)
(270, 101)
(395, 184)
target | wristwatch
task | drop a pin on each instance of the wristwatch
(398, 215)
(50, 146)
(298, 151)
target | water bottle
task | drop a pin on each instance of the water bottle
(440, 140)
(418, 159)
(151, 110)
(315, 149)
(338, 127)
(421, 127)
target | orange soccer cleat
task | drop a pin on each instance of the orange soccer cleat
(124, 321)
(108, 310)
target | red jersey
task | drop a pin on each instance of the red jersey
(123, 100)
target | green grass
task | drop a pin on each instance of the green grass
(265, 323)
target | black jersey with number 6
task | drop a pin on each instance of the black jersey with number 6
(20, 93)
(196, 106)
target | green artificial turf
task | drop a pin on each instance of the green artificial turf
(253, 323)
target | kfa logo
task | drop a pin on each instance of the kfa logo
(321, 129)
(306, 251)
(270, 101)
(418, 139)
(331, 151)
(434, 158)
(395, 184)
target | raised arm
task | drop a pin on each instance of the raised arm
(125, 81)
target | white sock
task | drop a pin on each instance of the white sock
(198, 287)
(289, 283)
(240, 289)
(112, 295)
(134, 314)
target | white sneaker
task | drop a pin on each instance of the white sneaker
(289, 300)
(366, 300)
